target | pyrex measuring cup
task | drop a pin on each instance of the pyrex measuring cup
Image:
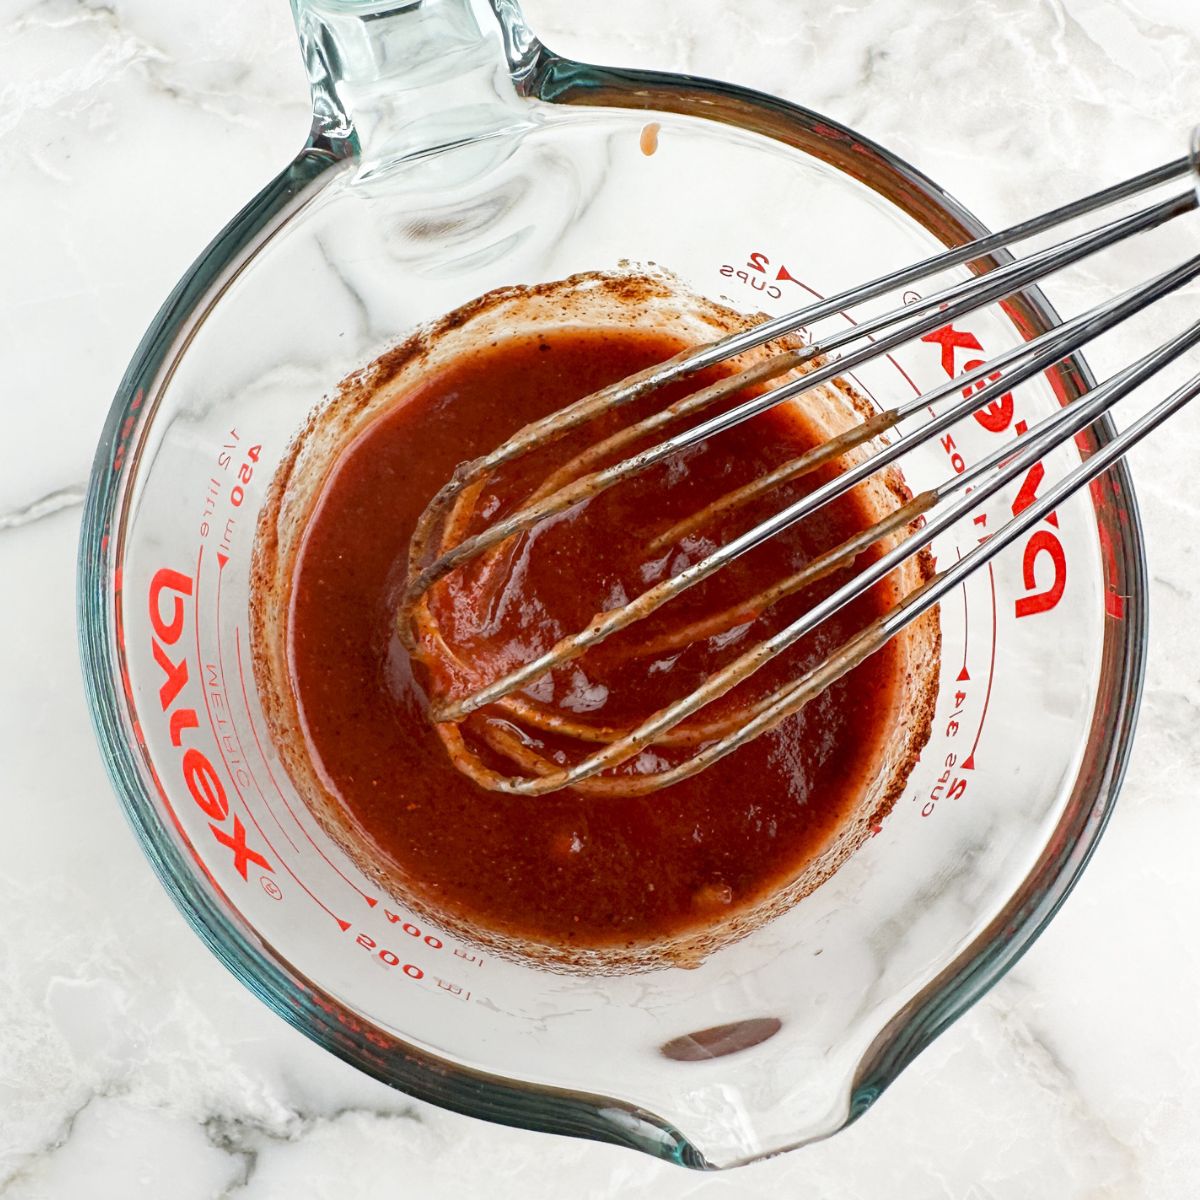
(452, 153)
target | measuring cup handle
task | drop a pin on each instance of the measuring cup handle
(394, 78)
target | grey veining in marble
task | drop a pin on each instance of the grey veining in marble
(131, 1064)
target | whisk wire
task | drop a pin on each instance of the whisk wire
(897, 327)
(1044, 436)
(912, 527)
(604, 625)
(945, 260)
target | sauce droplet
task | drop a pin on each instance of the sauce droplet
(649, 139)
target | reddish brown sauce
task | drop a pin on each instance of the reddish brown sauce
(567, 870)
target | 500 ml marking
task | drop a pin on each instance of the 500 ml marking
(390, 958)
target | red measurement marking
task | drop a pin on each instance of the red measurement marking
(969, 761)
(126, 430)
(222, 559)
(854, 324)
(862, 387)
(221, 750)
(963, 675)
(237, 635)
(1114, 601)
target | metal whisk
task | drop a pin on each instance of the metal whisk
(440, 545)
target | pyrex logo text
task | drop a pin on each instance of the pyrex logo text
(1044, 544)
(167, 619)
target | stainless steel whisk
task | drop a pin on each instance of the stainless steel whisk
(440, 547)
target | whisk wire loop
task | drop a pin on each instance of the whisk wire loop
(897, 327)
(443, 544)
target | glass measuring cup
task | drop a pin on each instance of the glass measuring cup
(452, 153)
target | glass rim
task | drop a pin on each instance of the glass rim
(301, 1001)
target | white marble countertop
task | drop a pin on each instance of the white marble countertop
(131, 1064)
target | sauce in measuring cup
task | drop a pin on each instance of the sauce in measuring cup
(568, 878)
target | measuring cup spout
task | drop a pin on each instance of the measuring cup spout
(392, 79)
